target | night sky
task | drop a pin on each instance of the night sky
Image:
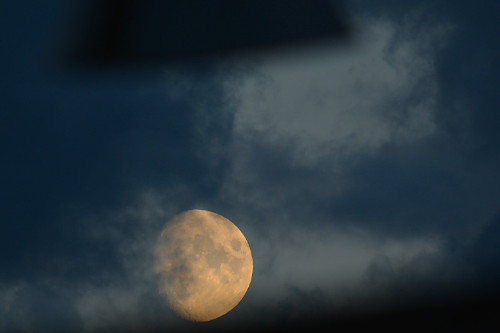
(364, 171)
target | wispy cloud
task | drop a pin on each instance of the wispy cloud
(347, 99)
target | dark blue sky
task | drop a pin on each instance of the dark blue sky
(363, 173)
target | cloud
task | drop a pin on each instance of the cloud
(128, 297)
(297, 268)
(330, 261)
(8, 295)
(277, 140)
(299, 126)
(294, 264)
(342, 134)
(31, 307)
(123, 296)
(347, 99)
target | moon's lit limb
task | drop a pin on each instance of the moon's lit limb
(204, 265)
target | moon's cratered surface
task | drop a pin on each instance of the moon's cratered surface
(204, 265)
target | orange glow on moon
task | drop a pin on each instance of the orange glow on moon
(204, 265)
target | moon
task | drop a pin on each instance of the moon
(204, 265)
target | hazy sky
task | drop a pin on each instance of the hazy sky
(364, 173)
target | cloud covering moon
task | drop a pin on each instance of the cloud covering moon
(204, 265)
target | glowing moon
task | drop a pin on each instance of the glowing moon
(204, 265)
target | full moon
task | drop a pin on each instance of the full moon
(203, 264)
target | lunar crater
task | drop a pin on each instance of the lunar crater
(236, 244)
